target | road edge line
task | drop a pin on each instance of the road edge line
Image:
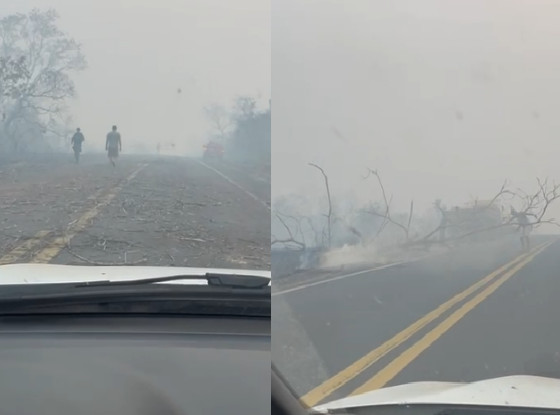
(352, 274)
(232, 182)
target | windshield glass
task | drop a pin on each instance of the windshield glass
(414, 195)
(134, 133)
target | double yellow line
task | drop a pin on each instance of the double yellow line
(484, 287)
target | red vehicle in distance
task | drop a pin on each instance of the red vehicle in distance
(213, 150)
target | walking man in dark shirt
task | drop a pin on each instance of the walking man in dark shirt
(113, 145)
(77, 140)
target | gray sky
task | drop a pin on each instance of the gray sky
(141, 51)
(446, 98)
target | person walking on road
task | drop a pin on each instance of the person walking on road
(77, 140)
(113, 145)
(524, 225)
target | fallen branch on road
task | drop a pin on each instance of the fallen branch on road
(181, 238)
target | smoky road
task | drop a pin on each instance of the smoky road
(160, 211)
(474, 313)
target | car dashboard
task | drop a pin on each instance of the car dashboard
(134, 365)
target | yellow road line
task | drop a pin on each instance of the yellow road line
(59, 243)
(19, 251)
(397, 365)
(24, 248)
(329, 386)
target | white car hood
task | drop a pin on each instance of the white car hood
(519, 391)
(50, 273)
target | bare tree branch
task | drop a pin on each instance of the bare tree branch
(538, 202)
(387, 214)
(503, 191)
(329, 213)
(548, 196)
(411, 212)
(291, 239)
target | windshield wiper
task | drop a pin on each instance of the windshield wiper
(212, 279)
(224, 294)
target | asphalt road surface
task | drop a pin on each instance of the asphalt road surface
(475, 313)
(148, 210)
